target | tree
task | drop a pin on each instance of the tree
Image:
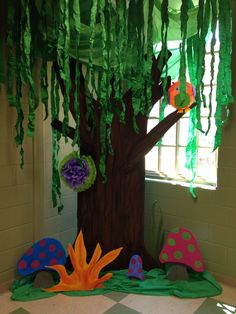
(112, 213)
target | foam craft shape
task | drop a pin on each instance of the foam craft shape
(46, 252)
(78, 172)
(178, 101)
(135, 269)
(85, 276)
(181, 247)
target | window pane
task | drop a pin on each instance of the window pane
(155, 110)
(217, 45)
(169, 109)
(207, 75)
(205, 111)
(151, 124)
(207, 140)
(170, 137)
(206, 164)
(151, 160)
(167, 160)
(183, 131)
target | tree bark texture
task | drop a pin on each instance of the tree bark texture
(112, 213)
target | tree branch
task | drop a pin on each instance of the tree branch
(57, 125)
(157, 90)
(70, 132)
(143, 146)
(84, 135)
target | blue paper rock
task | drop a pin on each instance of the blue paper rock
(46, 252)
(135, 269)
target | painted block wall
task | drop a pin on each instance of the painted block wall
(212, 217)
(26, 211)
(16, 194)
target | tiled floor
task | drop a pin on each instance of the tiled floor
(121, 303)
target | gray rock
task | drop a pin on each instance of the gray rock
(43, 279)
(177, 272)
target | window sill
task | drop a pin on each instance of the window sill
(152, 177)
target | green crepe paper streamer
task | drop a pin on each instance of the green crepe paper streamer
(25, 59)
(164, 56)
(134, 38)
(182, 71)
(156, 283)
(76, 20)
(11, 66)
(104, 92)
(203, 27)
(56, 183)
(14, 70)
(92, 171)
(63, 46)
(191, 148)
(19, 138)
(43, 70)
(109, 44)
(90, 113)
(90, 75)
(164, 33)
(120, 29)
(224, 80)
(2, 76)
(149, 81)
(44, 86)
(213, 42)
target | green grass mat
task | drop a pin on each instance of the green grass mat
(156, 283)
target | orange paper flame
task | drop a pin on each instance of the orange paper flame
(85, 276)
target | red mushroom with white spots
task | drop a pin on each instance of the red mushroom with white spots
(181, 249)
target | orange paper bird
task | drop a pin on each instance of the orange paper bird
(179, 101)
(85, 276)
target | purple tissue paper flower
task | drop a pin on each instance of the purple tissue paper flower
(75, 172)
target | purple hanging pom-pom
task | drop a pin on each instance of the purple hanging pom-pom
(75, 172)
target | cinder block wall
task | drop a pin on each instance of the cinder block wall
(16, 194)
(26, 211)
(212, 217)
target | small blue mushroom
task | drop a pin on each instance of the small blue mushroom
(135, 269)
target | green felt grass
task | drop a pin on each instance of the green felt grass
(156, 283)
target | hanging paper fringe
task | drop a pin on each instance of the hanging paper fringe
(63, 46)
(55, 107)
(2, 74)
(44, 86)
(163, 57)
(224, 80)
(76, 20)
(213, 42)
(115, 40)
(120, 35)
(182, 71)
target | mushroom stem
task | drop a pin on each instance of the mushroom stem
(177, 272)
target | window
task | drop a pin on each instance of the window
(167, 161)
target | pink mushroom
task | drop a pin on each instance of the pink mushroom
(181, 248)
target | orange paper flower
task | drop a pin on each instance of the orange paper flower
(85, 276)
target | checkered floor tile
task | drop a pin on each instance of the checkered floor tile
(210, 306)
(122, 303)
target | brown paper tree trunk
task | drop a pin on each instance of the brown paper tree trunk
(112, 213)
